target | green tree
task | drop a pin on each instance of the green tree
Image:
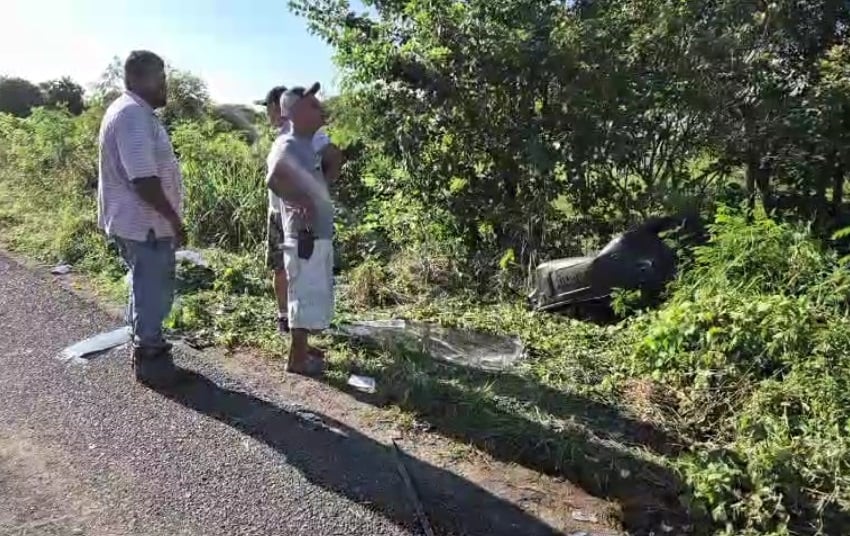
(18, 96)
(618, 109)
(464, 98)
(110, 84)
(833, 97)
(188, 98)
(63, 92)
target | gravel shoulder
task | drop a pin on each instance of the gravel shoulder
(237, 448)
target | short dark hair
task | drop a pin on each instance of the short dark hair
(273, 96)
(141, 62)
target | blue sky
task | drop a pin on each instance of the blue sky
(239, 51)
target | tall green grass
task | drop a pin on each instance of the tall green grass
(225, 194)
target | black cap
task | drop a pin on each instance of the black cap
(272, 96)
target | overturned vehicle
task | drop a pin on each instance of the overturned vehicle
(638, 259)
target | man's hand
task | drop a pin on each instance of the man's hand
(331, 162)
(150, 190)
(306, 210)
(179, 232)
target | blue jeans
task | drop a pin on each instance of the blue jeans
(152, 274)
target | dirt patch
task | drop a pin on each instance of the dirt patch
(649, 400)
(554, 501)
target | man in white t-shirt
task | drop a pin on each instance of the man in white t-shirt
(329, 160)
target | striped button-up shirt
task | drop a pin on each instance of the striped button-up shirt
(133, 145)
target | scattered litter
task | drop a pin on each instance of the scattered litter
(625, 473)
(666, 528)
(309, 417)
(191, 256)
(62, 269)
(579, 533)
(199, 340)
(315, 421)
(411, 491)
(422, 426)
(585, 517)
(461, 347)
(193, 272)
(98, 343)
(363, 383)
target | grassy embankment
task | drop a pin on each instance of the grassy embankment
(732, 401)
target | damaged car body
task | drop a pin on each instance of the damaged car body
(638, 259)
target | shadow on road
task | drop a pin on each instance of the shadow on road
(346, 462)
(590, 446)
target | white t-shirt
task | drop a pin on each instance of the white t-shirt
(320, 140)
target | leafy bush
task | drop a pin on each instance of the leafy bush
(752, 342)
(18, 96)
(224, 179)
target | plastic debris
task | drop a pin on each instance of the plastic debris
(363, 383)
(422, 426)
(310, 417)
(193, 272)
(461, 347)
(62, 269)
(584, 517)
(191, 256)
(312, 420)
(97, 344)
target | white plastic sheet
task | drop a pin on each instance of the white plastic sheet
(461, 347)
(98, 343)
(191, 256)
(363, 383)
(62, 269)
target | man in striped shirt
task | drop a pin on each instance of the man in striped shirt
(139, 198)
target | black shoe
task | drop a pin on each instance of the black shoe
(283, 324)
(154, 366)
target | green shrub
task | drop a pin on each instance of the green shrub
(226, 198)
(752, 340)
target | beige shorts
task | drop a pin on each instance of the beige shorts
(311, 293)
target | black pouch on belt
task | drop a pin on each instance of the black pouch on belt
(306, 241)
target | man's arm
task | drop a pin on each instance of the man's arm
(283, 182)
(150, 190)
(331, 162)
(286, 179)
(134, 136)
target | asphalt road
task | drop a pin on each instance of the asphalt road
(85, 450)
